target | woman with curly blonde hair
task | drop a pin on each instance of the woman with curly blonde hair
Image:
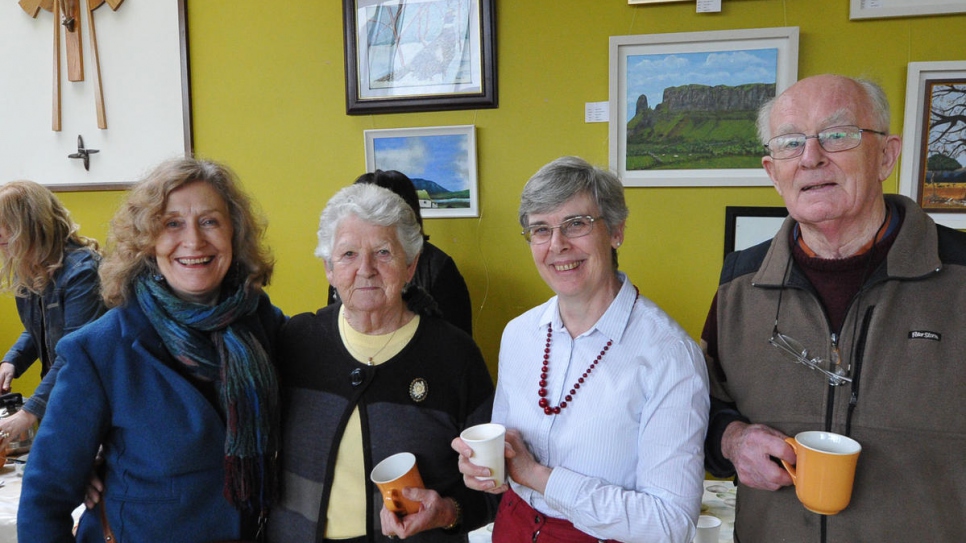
(184, 402)
(52, 272)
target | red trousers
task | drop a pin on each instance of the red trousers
(517, 522)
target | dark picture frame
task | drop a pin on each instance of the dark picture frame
(747, 226)
(377, 44)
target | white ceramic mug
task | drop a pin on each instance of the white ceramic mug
(709, 529)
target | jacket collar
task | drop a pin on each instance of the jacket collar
(914, 254)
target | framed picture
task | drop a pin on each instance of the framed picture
(872, 9)
(419, 55)
(748, 226)
(932, 168)
(683, 106)
(653, 1)
(64, 139)
(441, 161)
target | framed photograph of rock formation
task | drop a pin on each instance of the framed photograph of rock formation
(932, 166)
(440, 160)
(419, 55)
(683, 106)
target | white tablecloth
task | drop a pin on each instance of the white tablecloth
(718, 500)
(9, 500)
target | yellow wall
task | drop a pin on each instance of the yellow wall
(268, 99)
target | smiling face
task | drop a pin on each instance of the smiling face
(830, 190)
(577, 268)
(194, 249)
(368, 267)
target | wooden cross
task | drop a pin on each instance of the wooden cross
(66, 14)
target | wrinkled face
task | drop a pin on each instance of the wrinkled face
(820, 186)
(368, 266)
(194, 251)
(576, 267)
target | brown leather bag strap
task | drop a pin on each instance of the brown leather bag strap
(108, 534)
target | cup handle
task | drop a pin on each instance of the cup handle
(788, 467)
(393, 502)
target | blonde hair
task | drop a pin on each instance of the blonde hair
(136, 227)
(39, 228)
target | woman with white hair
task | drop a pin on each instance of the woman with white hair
(372, 377)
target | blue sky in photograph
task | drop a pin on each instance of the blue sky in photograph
(437, 158)
(651, 74)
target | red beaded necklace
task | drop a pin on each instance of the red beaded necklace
(544, 403)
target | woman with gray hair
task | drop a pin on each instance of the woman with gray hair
(369, 378)
(604, 396)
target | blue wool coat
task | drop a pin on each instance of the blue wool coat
(163, 440)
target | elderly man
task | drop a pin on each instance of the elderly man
(876, 293)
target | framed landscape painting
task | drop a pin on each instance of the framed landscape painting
(441, 161)
(932, 168)
(683, 106)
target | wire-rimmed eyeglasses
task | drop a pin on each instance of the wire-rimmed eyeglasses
(574, 227)
(832, 139)
(791, 348)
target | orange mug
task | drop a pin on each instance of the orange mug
(824, 470)
(392, 475)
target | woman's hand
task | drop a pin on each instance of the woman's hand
(13, 426)
(521, 466)
(7, 371)
(95, 486)
(434, 512)
(472, 473)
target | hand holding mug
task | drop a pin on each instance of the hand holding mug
(394, 474)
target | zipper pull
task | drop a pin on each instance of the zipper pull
(835, 358)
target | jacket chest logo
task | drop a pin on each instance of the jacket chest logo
(925, 334)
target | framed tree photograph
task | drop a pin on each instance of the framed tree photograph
(419, 55)
(440, 160)
(683, 106)
(932, 167)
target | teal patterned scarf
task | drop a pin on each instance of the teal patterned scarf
(215, 345)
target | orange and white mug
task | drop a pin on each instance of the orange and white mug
(392, 475)
(824, 470)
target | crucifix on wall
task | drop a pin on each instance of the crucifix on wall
(66, 14)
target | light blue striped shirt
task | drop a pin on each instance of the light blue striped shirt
(628, 451)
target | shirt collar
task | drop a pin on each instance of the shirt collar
(611, 324)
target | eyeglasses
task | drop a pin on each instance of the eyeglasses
(833, 369)
(832, 139)
(574, 227)
(793, 349)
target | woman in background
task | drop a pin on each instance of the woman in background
(52, 272)
(436, 272)
(176, 381)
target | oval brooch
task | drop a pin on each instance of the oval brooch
(418, 389)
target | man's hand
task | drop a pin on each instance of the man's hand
(751, 448)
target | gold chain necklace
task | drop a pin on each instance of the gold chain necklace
(355, 352)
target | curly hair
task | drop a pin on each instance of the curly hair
(137, 225)
(38, 229)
